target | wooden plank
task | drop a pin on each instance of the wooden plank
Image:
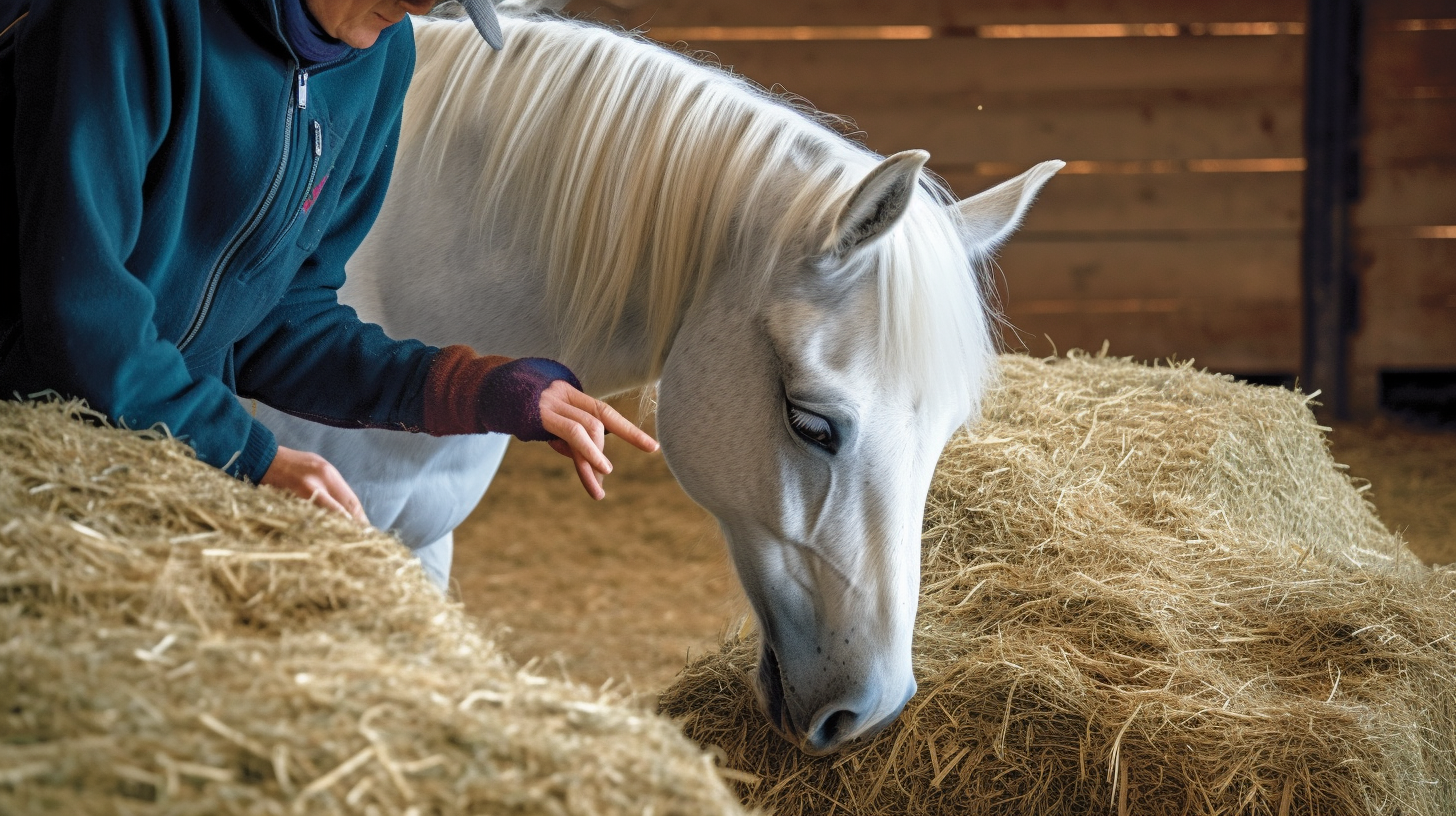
(1409, 196)
(1411, 337)
(836, 75)
(1408, 311)
(1196, 202)
(1121, 11)
(1401, 131)
(1233, 305)
(932, 12)
(1387, 10)
(1195, 274)
(760, 12)
(1406, 59)
(1405, 273)
(1253, 339)
(961, 134)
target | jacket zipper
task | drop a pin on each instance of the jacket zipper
(214, 276)
(318, 152)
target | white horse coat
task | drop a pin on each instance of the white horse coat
(812, 314)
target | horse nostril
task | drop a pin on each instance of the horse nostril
(833, 730)
(771, 692)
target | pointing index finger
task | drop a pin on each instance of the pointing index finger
(613, 421)
(623, 427)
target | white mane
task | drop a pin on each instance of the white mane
(642, 171)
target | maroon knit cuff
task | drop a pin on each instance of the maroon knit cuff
(452, 388)
(469, 394)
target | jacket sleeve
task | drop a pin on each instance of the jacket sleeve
(93, 105)
(314, 357)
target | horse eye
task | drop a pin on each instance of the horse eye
(813, 428)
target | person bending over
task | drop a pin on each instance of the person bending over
(188, 179)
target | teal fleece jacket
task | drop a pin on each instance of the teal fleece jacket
(185, 196)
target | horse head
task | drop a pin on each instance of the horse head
(807, 414)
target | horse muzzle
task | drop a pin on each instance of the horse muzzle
(824, 722)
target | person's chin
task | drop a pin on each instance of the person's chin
(361, 39)
(365, 34)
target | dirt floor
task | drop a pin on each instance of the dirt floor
(1412, 475)
(625, 588)
(628, 587)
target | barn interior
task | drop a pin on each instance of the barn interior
(1178, 231)
(1264, 189)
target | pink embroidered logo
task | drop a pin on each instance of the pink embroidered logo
(313, 196)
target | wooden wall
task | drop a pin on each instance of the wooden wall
(1174, 230)
(1407, 268)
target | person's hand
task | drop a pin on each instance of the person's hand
(311, 477)
(581, 423)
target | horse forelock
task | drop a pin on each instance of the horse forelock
(640, 168)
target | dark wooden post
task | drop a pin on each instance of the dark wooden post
(1333, 39)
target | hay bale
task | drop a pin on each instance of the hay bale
(1146, 590)
(174, 642)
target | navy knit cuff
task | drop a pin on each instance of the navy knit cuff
(510, 396)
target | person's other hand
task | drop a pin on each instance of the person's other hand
(311, 477)
(581, 423)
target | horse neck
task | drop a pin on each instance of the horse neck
(436, 273)
(424, 272)
(439, 281)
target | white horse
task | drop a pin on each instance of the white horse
(813, 316)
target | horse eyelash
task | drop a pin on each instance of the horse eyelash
(805, 421)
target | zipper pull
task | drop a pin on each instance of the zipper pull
(318, 139)
(302, 89)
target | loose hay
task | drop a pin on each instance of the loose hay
(174, 642)
(1146, 590)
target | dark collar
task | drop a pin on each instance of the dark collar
(307, 38)
(266, 20)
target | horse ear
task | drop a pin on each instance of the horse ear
(877, 203)
(992, 215)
